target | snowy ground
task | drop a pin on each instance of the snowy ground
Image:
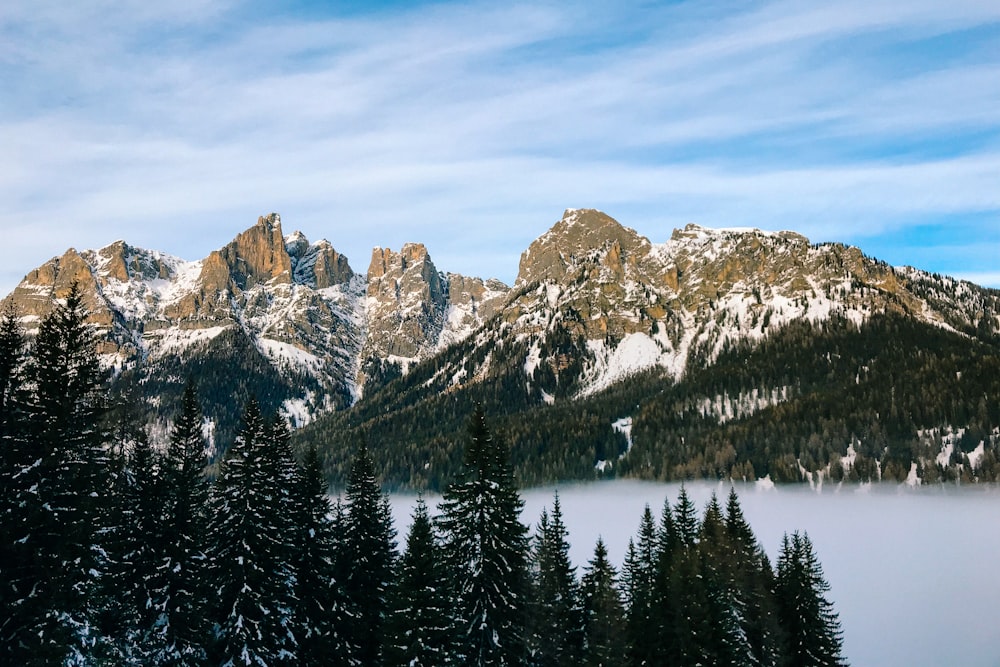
(912, 571)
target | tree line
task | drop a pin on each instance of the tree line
(875, 401)
(114, 552)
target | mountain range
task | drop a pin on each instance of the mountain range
(732, 352)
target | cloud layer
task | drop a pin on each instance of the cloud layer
(470, 127)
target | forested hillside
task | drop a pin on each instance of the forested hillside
(891, 398)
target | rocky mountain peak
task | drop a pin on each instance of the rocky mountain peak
(256, 256)
(407, 300)
(581, 234)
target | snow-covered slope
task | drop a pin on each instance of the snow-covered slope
(595, 302)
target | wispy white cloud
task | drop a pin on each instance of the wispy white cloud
(423, 125)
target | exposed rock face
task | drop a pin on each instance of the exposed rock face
(406, 302)
(300, 303)
(258, 255)
(414, 310)
(581, 234)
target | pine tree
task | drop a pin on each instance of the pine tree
(556, 614)
(639, 577)
(726, 640)
(181, 625)
(322, 614)
(663, 606)
(690, 633)
(252, 579)
(61, 490)
(12, 463)
(132, 592)
(370, 542)
(814, 637)
(486, 545)
(754, 579)
(603, 613)
(11, 362)
(419, 628)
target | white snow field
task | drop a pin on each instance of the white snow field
(912, 570)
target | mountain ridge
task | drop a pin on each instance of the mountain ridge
(594, 304)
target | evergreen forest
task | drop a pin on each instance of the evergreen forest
(116, 552)
(889, 399)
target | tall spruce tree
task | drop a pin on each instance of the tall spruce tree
(370, 545)
(486, 545)
(556, 616)
(690, 633)
(253, 585)
(182, 622)
(133, 592)
(419, 632)
(61, 491)
(726, 641)
(754, 579)
(642, 629)
(12, 464)
(814, 637)
(11, 366)
(664, 608)
(322, 613)
(603, 613)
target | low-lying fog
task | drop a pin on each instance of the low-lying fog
(913, 571)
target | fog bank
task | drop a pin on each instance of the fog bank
(913, 572)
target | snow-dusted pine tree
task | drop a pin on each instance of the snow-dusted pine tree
(182, 621)
(419, 630)
(642, 629)
(754, 579)
(814, 637)
(486, 545)
(725, 609)
(603, 613)
(12, 463)
(62, 491)
(252, 580)
(556, 616)
(322, 615)
(370, 541)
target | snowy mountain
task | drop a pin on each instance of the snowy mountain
(597, 310)
(601, 324)
(296, 307)
(597, 299)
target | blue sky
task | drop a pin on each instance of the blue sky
(471, 126)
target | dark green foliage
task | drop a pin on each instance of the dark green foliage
(556, 615)
(486, 547)
(61, 492)
(829, 384)
(874, 386)
(182, 624)
(643, 623)
(322, 612)
(603, 613)
(369, 538)
(753, 578)
(251, 569)
(814, 637)
(419, 632)
(13, 461)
